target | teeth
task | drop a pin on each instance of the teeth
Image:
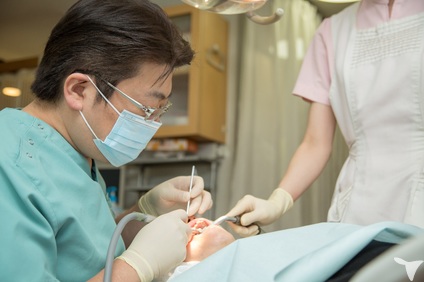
(199, 226)
(197, 231)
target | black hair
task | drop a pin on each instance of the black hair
(111, 39)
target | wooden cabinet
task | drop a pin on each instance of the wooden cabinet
(199, 90)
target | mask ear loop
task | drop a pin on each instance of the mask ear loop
(89, 127)
(104, 97)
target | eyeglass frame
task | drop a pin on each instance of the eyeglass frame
(148, 111)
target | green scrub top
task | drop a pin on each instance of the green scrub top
(56, 221)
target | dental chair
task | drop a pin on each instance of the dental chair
(409, 266)
(317, 253)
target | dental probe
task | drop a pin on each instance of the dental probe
(193, 172)
(115, 237)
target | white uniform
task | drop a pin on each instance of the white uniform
(377, 95)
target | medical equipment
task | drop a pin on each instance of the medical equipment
(193, 172)
(115, 237)
(382, 268)
(237, 7)
(233, 219)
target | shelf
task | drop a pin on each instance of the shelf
(158, 160)
(17, 65)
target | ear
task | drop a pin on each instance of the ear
(75, 90)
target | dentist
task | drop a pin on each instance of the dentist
(101, 87)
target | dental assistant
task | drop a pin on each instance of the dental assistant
(364, 72)
(100, 89)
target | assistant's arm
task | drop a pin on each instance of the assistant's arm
(313, 153)
(307, 163)
(305, 166)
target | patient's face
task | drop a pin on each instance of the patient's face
(208, 242)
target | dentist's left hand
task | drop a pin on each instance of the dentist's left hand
(159, 246)
(174, 194)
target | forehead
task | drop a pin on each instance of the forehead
(150, 82)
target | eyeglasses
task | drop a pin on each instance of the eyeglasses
(150, 113)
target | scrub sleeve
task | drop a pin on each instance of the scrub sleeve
(56, 220)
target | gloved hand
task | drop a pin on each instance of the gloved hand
(259, 211)
(173, 194)
(159, 246)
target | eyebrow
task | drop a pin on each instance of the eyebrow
(158, 95)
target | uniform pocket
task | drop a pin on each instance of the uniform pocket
(415, 211)
(342, 191)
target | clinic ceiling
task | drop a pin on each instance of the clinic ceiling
(24, 24)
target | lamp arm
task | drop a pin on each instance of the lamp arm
(265, 20)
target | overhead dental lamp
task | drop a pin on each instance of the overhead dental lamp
(237, 7)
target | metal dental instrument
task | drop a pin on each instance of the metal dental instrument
(235, 220)
(220, 220)
(193, 172)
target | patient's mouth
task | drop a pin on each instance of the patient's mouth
(197, 225)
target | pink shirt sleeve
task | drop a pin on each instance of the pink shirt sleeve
(314, 80)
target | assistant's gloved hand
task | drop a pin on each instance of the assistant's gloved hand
(159, 246)
(173, 194)
(259, 211)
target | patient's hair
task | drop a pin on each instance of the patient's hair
(110, 39)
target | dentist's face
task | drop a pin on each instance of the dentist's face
(143, 88)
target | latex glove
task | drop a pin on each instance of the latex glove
(173, 194)
(259, 211)
(159, 246)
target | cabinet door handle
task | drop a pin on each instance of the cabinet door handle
(215, 57)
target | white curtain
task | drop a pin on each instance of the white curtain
(269, 122)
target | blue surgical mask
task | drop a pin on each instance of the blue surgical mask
(128, 137)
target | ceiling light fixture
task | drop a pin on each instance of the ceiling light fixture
(339, 1)
(11, 91)
(231, 7)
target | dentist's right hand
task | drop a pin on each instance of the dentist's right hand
(159, 246)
